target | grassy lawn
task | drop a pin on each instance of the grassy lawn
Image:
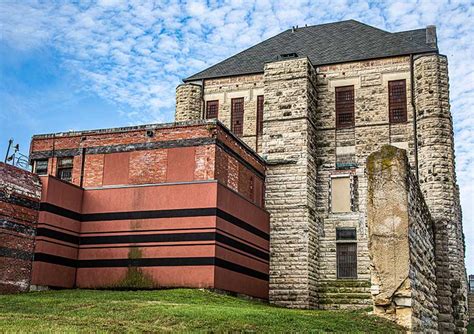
(181, 310)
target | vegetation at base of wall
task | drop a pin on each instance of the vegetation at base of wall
(135, 278)
(177, 310)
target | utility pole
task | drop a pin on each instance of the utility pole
(10, 142)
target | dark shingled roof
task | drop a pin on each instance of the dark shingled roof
(323, 44)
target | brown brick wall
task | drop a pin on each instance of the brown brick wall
(20, 193)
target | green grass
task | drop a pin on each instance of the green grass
(182, 310)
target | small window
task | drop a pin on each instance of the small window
(346, 260)
(65, 168)
(344, 107)
(259, 115)
(212, 109)
(41, 167)
(237, 115)
(397, 95)
(341, 194)
(343, 234)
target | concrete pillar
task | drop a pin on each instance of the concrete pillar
(288, 145)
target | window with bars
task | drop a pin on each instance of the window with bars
(237, 116)
(346, 260)
(344, 107)
(259, 115)
(397, 99)
(41, 167)
(65, 168)
(346, 252)
(212, 109)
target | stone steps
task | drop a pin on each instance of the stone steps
(344, 294)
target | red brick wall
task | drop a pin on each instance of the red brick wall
(128, 156)
(20, 193)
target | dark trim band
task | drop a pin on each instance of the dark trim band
(19, 200)
(154, 214)
(16, 254)
(151, 262)
(146, 238)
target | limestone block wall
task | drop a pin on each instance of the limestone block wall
(188, 102)
(401, 243)
(437, 179)
(20, 193)
(289, 145)
(372, 130)
(247, 87)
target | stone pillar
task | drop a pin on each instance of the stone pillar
(288, 145)
(437, 180)
(401, 243)
(188, 102)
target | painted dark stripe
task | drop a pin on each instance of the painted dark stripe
(57, 235)
(144, 238)
(153, 214)
(12, 198)
(17, 227)
(15, 253)
(151, 262)
(57, 210)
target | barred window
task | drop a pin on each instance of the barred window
(346, 260)
(65, 168)
(41, 167)
(237, 115)
(259, 115)
(344, 107)
(212, 109)
(397, 95)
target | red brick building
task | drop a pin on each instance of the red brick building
(170, 205)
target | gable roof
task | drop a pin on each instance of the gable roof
(329, 43)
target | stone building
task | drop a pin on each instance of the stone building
(327, 181)
(314, 102)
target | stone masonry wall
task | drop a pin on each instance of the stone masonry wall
(289, 145)
(401, 243)
(20, 193)
(188, 102)
(438, 183)
(225, 89)
(372, 130)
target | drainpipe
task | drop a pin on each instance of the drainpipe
(415, 133)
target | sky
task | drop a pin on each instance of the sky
(94, 64)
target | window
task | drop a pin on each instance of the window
(344, 107)
(397, 99)
(259, 115)
(341, 194)
(237, 116)
(212, 109)
(65, 169)
(41, 167)
(346, 260)
(346, 252)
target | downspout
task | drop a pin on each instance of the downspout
(203, 107)
(413, 105)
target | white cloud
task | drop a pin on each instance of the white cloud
(134, 52)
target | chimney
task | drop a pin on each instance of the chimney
(431, 39)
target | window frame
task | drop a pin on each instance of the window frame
(344, 108)
(397, 102)
(60, 168)
(210, 104)
(342, 246)
(35, 166)
(260, 102)
(233, 112)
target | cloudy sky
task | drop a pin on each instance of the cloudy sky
(87, 64)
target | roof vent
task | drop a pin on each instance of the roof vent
(431, 39)
(284, 56)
